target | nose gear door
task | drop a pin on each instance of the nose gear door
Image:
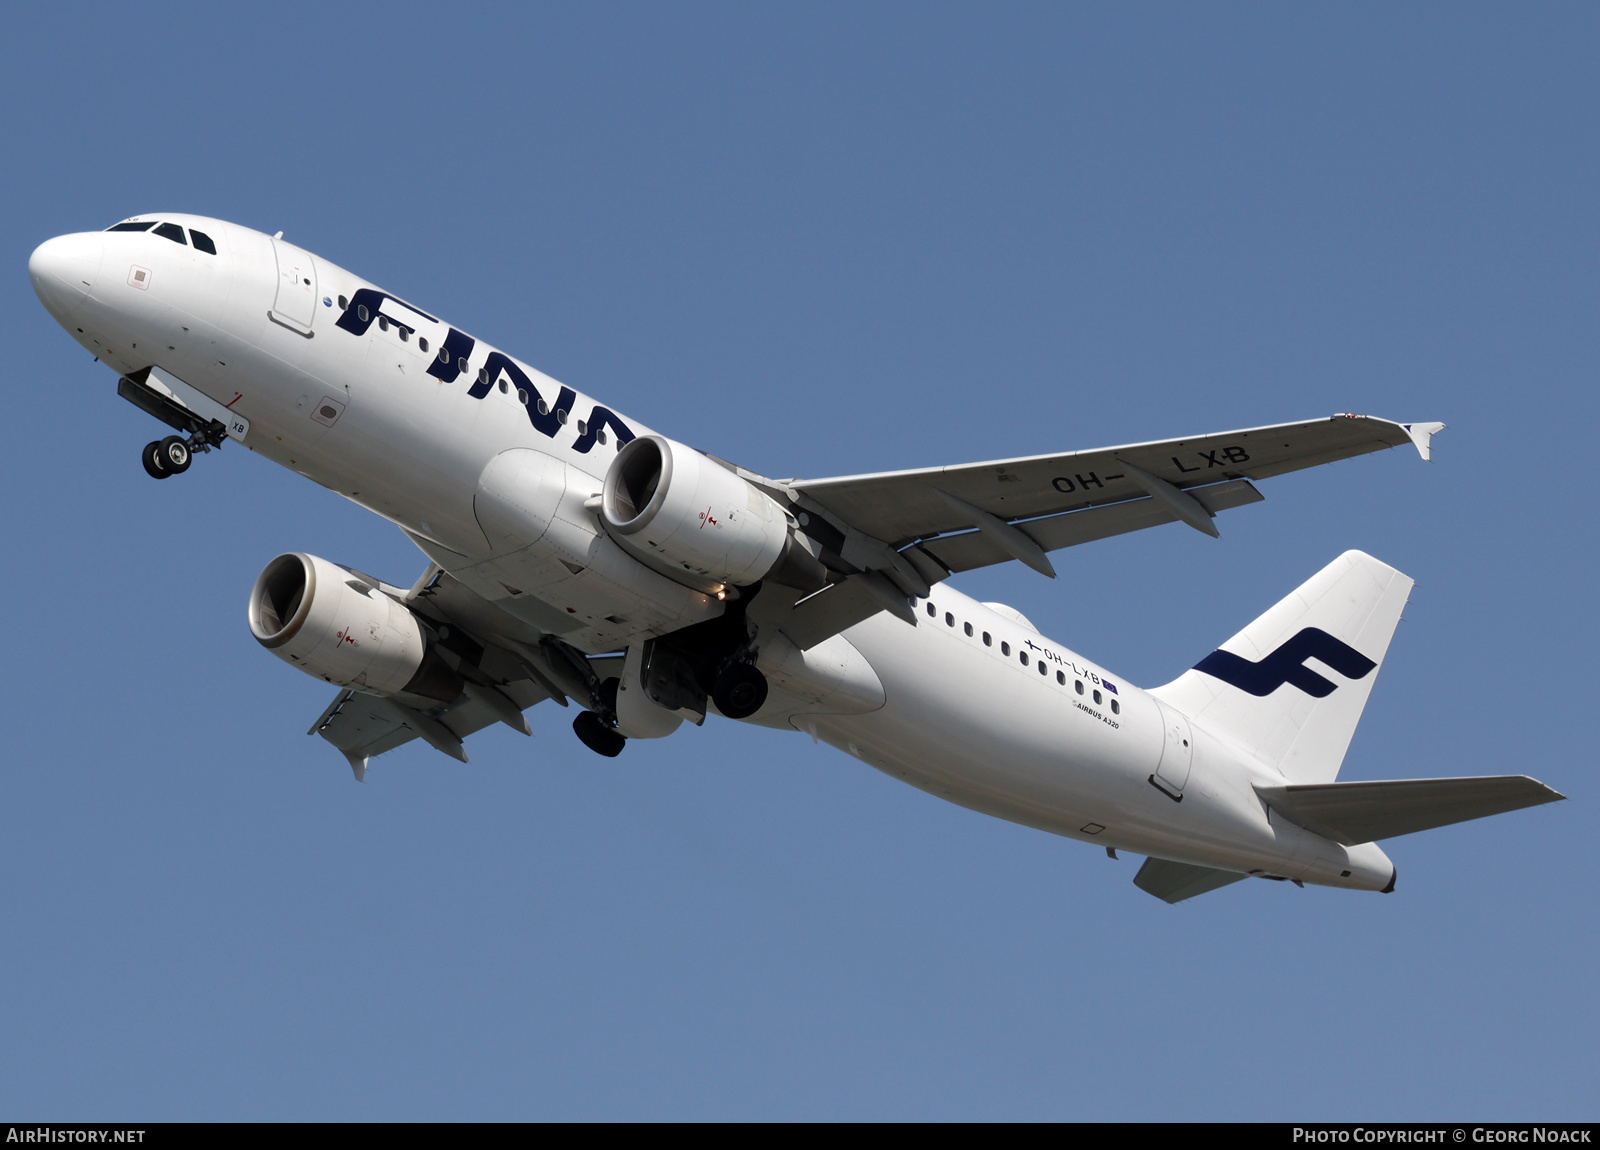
(296, 302)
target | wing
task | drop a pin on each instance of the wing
(363, 726)
(900, 507)
(501, 660)
(896, 533)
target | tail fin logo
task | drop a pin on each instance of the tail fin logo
(1287, 665)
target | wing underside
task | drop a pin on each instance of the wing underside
(895, 534)
(506, 665)
(902, 506)
(364, 726)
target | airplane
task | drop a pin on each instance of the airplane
(576, 556)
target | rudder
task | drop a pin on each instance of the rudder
(1266, 689)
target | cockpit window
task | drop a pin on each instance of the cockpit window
(131, 226)
(202, 242)
(172, 232)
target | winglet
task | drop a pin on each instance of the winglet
(1422, 434)
(358, 764)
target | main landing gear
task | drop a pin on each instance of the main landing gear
(739, 691)
(598, 737)
(174, 454)
(712, 662)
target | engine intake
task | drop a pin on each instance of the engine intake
(693, 519)
(323, 620)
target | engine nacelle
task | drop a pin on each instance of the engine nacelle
(320, 618)
(693, 519)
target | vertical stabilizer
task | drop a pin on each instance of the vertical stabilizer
(1290, 687)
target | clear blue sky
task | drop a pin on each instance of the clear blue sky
(815, 239)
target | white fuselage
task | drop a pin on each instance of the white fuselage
(1012, 725)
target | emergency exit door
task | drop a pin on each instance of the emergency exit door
(1177, 754)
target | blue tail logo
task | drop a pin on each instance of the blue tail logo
(1287, 665)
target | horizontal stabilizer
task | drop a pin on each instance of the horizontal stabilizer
(1352, 813)
(1176, 881)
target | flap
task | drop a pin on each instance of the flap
(836, 608)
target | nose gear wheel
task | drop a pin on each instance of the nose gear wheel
(151, 458)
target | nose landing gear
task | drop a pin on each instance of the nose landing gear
(164, 457)
(174, 454)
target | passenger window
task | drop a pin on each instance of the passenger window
(460, 363)
(522, 397)
(131, 226)
(561, 416)
(967, 627)
(405, 333)
(987, 640)
(383, 323)
(202, 242)
(422, 344)
(544, 408)
(1005, 648)
(602, 438)
(1024, 656)
(583, 427)
(1116, 707)
(931, 611)
(1061, 677)
(172, 232)
(504, 387)
(1077, 685)
(483, 375)
(1097, 698)
(1043, 670)
(362, 314)
(344, 304)
(949, 619)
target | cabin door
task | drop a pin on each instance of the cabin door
(296, 303)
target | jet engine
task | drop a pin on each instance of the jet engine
(695, 520)
(338, 627)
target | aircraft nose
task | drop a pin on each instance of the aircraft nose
(64, 270)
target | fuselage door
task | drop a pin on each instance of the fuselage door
(296, 303)
(1177, 753)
